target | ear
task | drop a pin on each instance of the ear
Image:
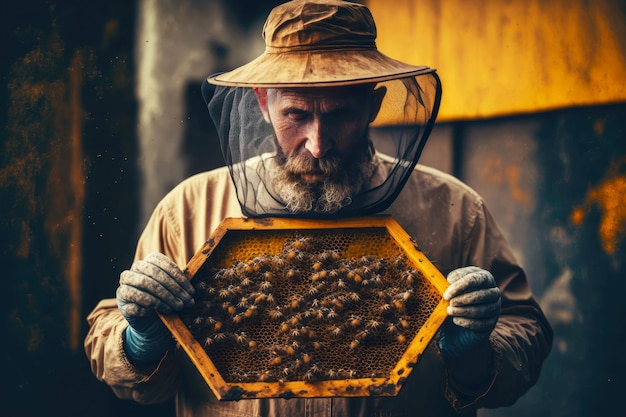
(261, 98)
(377, 100)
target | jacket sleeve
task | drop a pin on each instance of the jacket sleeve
(109, 363)
(522, 338)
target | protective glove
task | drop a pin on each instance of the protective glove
(474, 310)
(153, 284)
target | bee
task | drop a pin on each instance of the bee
(243, 302)
(252, 344)
(268, 275)
(265, 285)
(404, 323)
(265, 376)
(391, 328)
(317, 266)
(245, 282)
(354, 296)
(270, 298)
(275, 313)
(335, 331)
(219, 336)
(331, 373)
(355, 321)
(331, 313)
(373, 324)
(306, 358)
(341, 283)
(302, 243)
(217, 326)
(237, 319)
(408, 277)
(208, 341)
(292, 274)
(362, 335)
(241, 338)
(276, 361)
(354, 344)
(250, 312)
(399, 305)
(401, 338)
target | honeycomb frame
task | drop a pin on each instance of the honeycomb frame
(352, 384)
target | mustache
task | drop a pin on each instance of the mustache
(307, 164)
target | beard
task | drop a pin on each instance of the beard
(342, 179)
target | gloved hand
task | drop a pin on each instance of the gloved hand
(153, 284)
(474, 310)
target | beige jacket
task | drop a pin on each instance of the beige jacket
(453, 228)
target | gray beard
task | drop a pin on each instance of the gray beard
(343, 180)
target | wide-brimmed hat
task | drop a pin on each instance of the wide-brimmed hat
(318, 43)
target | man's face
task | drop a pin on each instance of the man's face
(323, 150)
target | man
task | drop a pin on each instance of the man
(294, 127)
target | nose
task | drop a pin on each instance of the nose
(317, 142)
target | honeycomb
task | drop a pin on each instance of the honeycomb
(309, 306)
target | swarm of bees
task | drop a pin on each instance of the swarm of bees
(308, 313)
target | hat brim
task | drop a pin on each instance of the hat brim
(313, 69)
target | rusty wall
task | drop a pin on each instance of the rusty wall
(502, 57)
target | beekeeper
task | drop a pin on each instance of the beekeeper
(301, 130)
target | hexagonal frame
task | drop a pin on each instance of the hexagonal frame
(356, 387)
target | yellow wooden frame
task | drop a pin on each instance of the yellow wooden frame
(358, 387)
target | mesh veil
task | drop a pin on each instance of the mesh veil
(398, 136)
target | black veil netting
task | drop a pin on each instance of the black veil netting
(399, 134)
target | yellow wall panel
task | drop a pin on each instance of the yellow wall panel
(500, 57)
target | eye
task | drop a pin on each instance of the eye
(296, 114)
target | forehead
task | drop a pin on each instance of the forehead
(337, 96)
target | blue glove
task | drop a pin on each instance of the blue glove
(474, 310)
(153, 284)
